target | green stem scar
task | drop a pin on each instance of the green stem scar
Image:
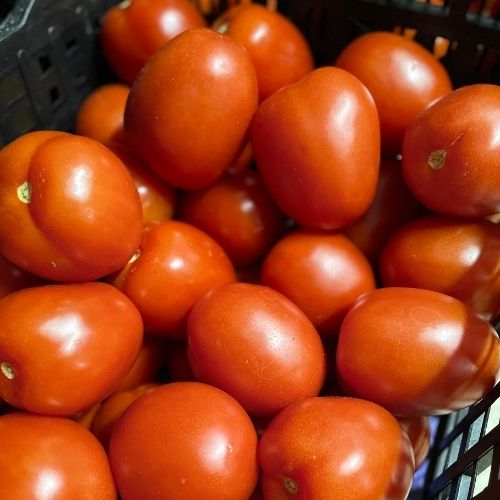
(436, 159)
(290, 485)
(8, 370)
(24, 192)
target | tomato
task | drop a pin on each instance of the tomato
(402, 76)
(190, 108)
(158, 199)
(338, 448)
(100, 116)
(70, 209)
(238, 212)
(452, 255)
(393, 206)
(322, 273)
(416, 352)
(419, 432)
(12, 278)
(51, 457)
(176, 264)
(184, 440)
(63, 348)
(132, 31)
(451, 153)
(177, 362)
(316, 143)
(256, 345)
(278, 49)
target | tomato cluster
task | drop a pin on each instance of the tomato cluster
(242, 276)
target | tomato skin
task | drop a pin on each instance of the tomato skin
(278, 49)
(322, 273)
(177, 264)
(256, 345)
(321, 172)
(211, 443)
(132, 32)
(333, 447)
(451, 153)
(12, 278)
(451, 255)
(83, 220)
(207, 82)
(402, 76)
(56, 339)
(419, 432)
(57, 458)
(416, 352)
(238, 212)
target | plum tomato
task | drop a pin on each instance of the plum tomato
(452, 255)
(451, 153)
(419, 432)
(322, 273)
(184, 440)
(12, 278)
(416, 352)
(51, 457)
(190, 108)
(317, 145)
(335, 447)
(65, 347)
(402, 76)
(176, 264)
(256, 345)
(133, 30)
(278, 49)
(70, 209)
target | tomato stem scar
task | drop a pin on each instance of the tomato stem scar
(24, 192)
(134, 257)
(436, 159)
(8, 370)
(290, 485)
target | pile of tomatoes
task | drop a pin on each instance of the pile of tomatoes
(242, 276)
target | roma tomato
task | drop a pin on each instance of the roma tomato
(132, 31)
(51, 457)
(211, 443)
(451, 153)
(70, 209)
(451, 255)
(189, 110)
(338, 448)
(416, 352)
(175, 265)
(402, 76)
(317, 145)
(322, 273)
(278, 49)
(100, 116)
(419, 432)
(64, 348)
(238, 212)
(256, 345)
(12, 278)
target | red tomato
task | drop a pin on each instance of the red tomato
(338, 448)
(393, 206)
(100, 116)
(238, 212)
(64, 348)
(133, 30)
(177, 263)
(455, 256)
(49, 457)
(70, 209)
(256, 345)
(184, 440)
(316, 143)
(278, 49)
(416, 352)
(419, 432)
(322, 273)
(190, 108)
(12, 278)
(451, 153)
(402, 76)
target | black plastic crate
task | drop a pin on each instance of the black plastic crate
(50, 61)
